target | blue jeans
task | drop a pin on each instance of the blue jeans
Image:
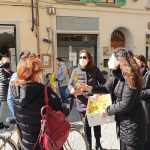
(63, 94)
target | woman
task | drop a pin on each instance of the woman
(125, 88)
(141, 61)
(88, 73)
(5, 74)
(28, 97)
(145, 95)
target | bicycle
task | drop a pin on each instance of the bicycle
(75, 134)
(6, 141)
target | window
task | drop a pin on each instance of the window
(107, 1)
(121, 2)
(148, 48)
(118, 2)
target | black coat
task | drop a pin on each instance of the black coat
(91, 77)
(146, 100)
(127, 109)
(28, 101)
(5, 74)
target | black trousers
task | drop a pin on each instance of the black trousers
(147, 143)
(124, 146)
(87, 130)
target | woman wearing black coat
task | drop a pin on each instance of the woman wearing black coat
(5, 74)
(87, 73)
(28, 97)
(125, 88)
(145, 95)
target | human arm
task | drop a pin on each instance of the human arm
(71, 81)
(3, 78)
(56, 104)
(9, 94)
(126, 104)
(145, 94)
(106, 88)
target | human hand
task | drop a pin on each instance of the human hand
(103, 113)
(84, 87)
(77, 91)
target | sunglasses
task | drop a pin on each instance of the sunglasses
(84, 57)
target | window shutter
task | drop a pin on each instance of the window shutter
(121, 2)
(88, 1)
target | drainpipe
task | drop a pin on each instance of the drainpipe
(32, 9)
(37, 26)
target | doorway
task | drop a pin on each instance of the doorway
(69, 46)
(8, 41)
(117, 39)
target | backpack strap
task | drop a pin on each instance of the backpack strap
(46, 95)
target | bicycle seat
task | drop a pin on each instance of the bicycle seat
(11, 120)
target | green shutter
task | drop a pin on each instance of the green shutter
(88, 1)
(121, 2)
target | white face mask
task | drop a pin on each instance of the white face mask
(113, 63)
(83, 62)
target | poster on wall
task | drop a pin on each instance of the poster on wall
(46, 60)
(106, 52)
(73, 58)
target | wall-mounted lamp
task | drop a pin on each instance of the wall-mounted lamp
(47, 41)
(51, 10)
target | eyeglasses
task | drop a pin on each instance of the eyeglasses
(84, 57)
(41, 70)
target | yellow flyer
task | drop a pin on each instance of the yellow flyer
(96, 104)
(52, 79)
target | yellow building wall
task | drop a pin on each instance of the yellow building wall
(132, 16)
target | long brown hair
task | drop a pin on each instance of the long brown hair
(27, 69)
(142, 59)
(129, 68)
(90, 63)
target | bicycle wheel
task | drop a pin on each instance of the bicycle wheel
(76, 140)
(7, 144)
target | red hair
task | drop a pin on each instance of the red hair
(27, 69)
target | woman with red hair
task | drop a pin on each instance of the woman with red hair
(28, 97)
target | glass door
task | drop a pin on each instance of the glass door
(69, 46)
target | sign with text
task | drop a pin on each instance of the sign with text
(77, 23)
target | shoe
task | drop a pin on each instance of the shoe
(98, 147)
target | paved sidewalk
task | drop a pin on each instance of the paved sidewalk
(109, 140)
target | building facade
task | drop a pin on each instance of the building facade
(53, 28)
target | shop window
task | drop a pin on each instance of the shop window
(148, 49)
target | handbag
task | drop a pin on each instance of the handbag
(54, 127)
